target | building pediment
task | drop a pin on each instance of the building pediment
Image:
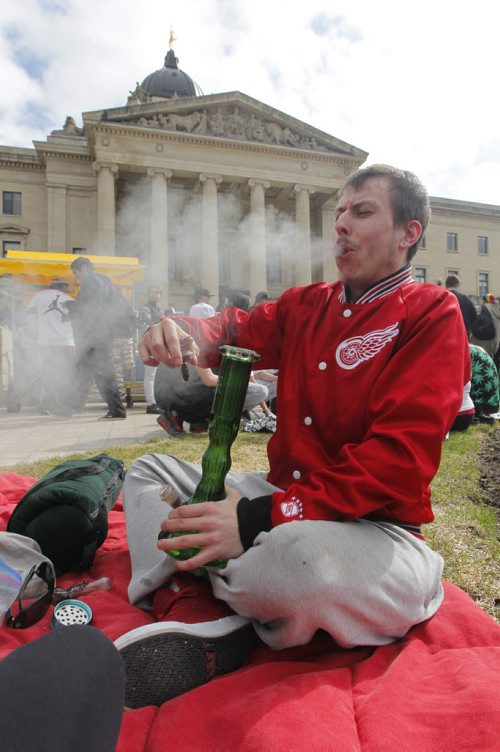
(231, 116)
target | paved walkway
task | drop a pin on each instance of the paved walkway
(27, 436)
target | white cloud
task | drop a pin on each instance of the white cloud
(414, 85)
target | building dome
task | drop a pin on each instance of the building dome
(170, 81)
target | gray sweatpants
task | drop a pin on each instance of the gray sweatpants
(365, 583)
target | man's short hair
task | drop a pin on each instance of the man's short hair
(82, 263)
(408, 195)
(239, 299)
(451, 281)
(202, 292)
(262, 295)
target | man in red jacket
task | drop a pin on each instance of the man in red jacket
(372, 370)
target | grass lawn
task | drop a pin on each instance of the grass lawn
(465, 531)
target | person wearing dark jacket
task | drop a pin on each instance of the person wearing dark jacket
(90, 316)
(467, 307)
(486, 328)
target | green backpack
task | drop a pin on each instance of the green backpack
(66, 511)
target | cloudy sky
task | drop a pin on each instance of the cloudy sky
(414, 84)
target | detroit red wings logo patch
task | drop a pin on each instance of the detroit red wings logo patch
(292, 508)
(351, 352)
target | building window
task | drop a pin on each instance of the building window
(77, 251)
(453, 271)
(420, 274)
(482, 245)
(10, 245)
(482, 283)
(11, 202)
(452, 242)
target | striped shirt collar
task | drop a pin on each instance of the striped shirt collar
(383, 287)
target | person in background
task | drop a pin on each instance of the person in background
(191, 401)
(268, 378)
(150, 314)
(56, 348)
(89, 314)
(467, 307)
(260, 297)
(242, 301)
(486, 328)
(123, 360)
(485, 389)
(465, 416)
(202, 308)
(238, 299)
(222, 304)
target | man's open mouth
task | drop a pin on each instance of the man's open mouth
(342, 249)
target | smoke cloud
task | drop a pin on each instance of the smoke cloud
(184, 217)
(24, 366)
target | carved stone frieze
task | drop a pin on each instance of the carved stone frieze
(232, 122)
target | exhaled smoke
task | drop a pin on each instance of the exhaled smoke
(185, 242)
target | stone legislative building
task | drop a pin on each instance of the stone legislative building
(219, 191)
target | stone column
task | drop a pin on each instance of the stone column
(56, 219)
(303, 241)
(106, 208)
(158, 252)
(209, 262)
(257, 261)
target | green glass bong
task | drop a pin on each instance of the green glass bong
(223, 428)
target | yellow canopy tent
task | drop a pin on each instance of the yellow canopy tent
(40, 268)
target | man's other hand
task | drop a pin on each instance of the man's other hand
(217, 535)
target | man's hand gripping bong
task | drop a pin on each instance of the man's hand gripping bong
(216, 522)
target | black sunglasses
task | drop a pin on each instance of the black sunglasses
(22, 615)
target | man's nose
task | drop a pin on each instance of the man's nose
(342, 224)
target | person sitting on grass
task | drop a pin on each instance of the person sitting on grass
(485, 390)
(191, 401)
(372, 371)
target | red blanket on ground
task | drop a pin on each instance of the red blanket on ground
(436, 690)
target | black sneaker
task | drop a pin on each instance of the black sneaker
(153, 409)
(171, 424)
(166, 659)
(112, 415)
